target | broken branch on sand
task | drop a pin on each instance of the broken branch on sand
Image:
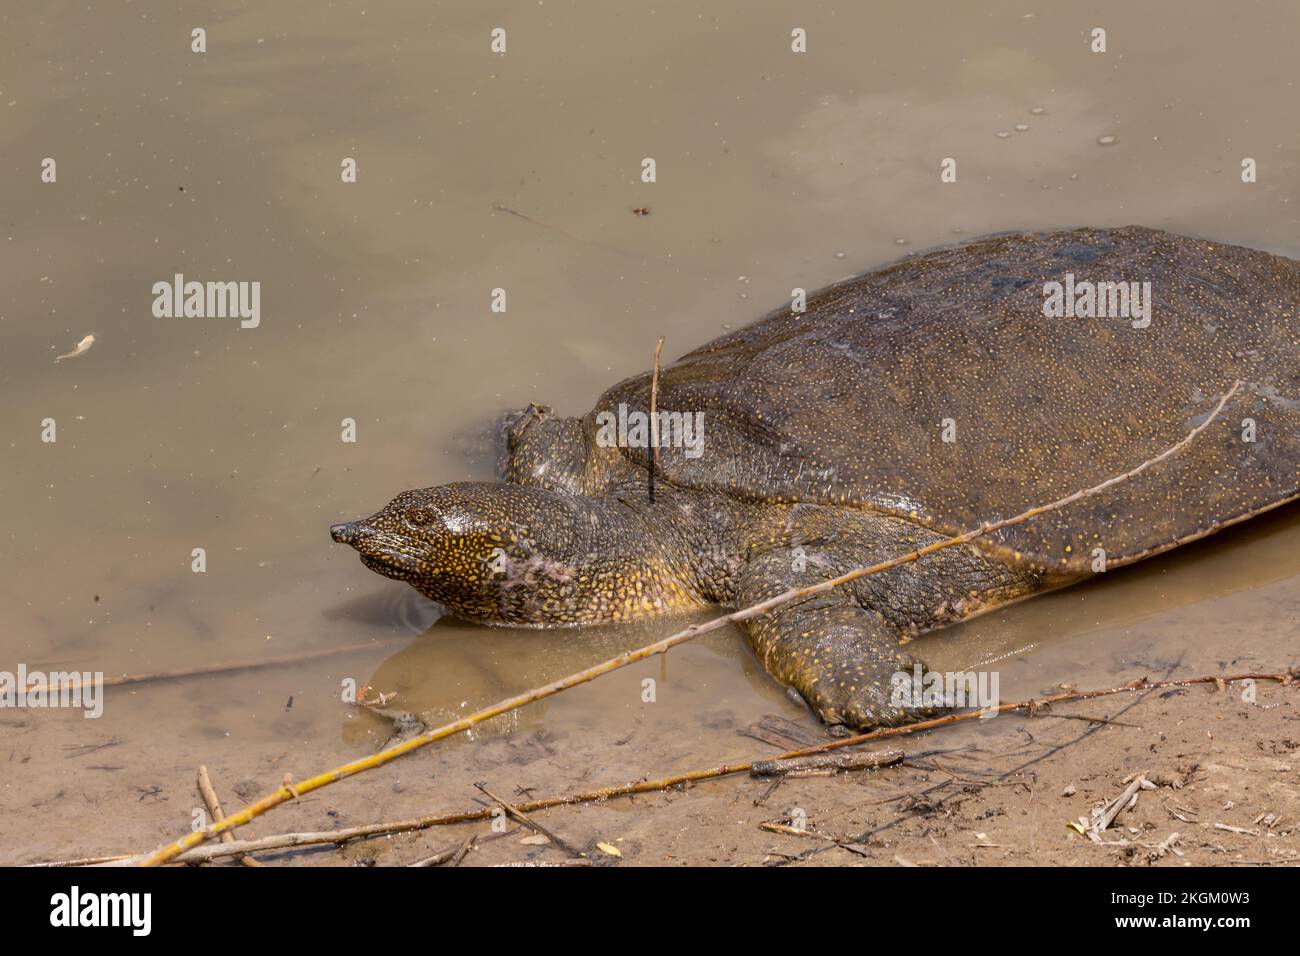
(284, 793)
(1105, 817)
(864, 761)
(519, 816)
(453, 854)
(210, 800)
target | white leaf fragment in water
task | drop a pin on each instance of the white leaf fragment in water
(82, 348)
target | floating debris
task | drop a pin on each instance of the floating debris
(1003, 134)
(1106, 140)
(1022, 127)
(82, 348)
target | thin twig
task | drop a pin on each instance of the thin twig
(1106, 818)
(453, 854)
(859, 761)
(605, 246)
(1232, 829)
(120, 858)
(773, 827)
(1090, 720)
(654, 420)
(1263, 862)
(213, 804)
(277, 797)
(527, 821)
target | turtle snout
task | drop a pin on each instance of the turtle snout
(351, 532)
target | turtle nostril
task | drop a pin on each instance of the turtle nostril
(349, 532)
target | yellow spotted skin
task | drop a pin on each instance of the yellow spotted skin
(824, 450)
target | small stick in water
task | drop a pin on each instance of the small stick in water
(654, 418)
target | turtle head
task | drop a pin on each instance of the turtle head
(493, 553)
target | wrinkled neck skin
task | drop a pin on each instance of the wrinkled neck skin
(626, 557)
(684, 550)
(620, 558)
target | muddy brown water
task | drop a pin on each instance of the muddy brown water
(775, 170)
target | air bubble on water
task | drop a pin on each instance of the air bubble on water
(1106, 140)
(1037, 110)
(900, 242)
(841, 255)
(1022, 127)
(1003, 134)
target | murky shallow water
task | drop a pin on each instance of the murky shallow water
(774, 170)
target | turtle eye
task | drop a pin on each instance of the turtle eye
(419, 516)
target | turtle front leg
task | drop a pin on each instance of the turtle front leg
(843, 659)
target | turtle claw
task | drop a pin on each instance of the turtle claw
(867, 695)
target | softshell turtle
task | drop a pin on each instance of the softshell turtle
(909, 404)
